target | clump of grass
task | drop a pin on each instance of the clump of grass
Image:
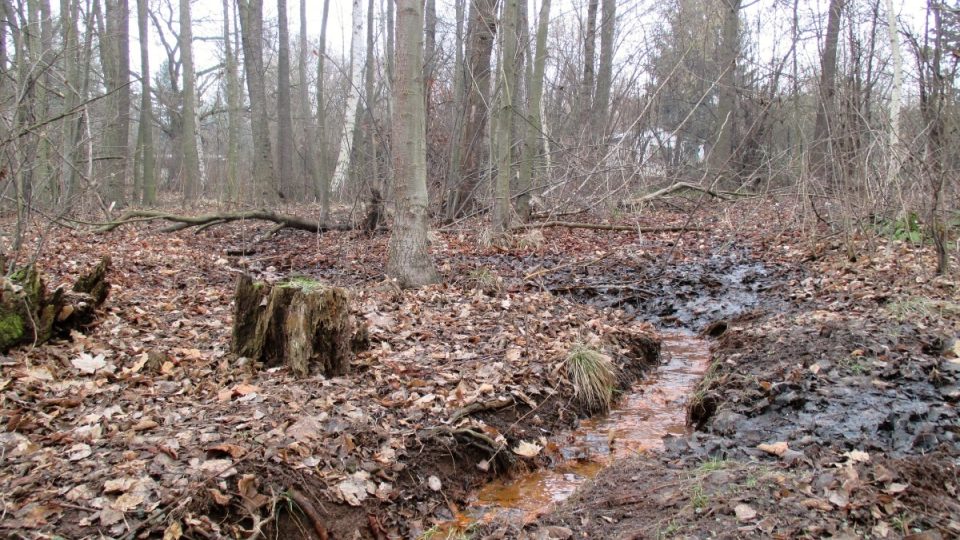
(486, 280)
(594, 377)
(920, 307)
(532, 239)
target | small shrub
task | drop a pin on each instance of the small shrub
(594, 378)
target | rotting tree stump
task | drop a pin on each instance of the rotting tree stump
(299, 322)
(31, 314)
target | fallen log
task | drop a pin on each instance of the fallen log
(602, 227)
(679, 186)
(300, 322)
(203, 221)
(29, 313)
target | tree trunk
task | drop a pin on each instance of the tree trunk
(608, 30)
(342, 171)
(483, 28)
(896, 148)
(188, 140)
(589, 51)
(310, 141)
(459, 91)
(115, 59)
(284, 107)
(323, 176)
(726, 105)
(233, 110)
(251, 34)
(299, 322)
(820, 168)
(409, 261)
(534, 133)
(374, 196)
(146, 151)
(508, 86)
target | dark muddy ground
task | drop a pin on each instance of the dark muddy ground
(829, 411)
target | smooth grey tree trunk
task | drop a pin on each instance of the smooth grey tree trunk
(233, 109)
(534, 133)
(409, 261)
(284, 107)
(589, 51)
(828, 89)
(726, 105)
(508, 86)
(251, 34)
(188, 140)
(310, 142)
(608, 30)
(145, 149)
(323, 168)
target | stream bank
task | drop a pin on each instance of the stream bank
(833, 415)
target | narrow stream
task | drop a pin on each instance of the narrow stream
(653, 408)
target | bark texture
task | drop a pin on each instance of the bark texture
(31, 314)
(409, 260)
(299, 322)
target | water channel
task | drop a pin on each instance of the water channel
(654, 407)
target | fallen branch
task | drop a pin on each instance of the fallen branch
(673, 188)
(208, 220)
(478, 406)
(544, 271)
(602, 227)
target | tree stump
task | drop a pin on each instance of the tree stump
(300, 322)
(29, 313)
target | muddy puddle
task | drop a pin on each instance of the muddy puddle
(653, 408)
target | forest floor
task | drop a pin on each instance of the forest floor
(829, 407)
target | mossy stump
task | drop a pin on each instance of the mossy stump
(31, 314)
(299, 322)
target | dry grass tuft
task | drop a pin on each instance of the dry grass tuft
(594, 377)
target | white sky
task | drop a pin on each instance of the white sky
(207, 16)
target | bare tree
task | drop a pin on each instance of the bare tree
(308, 149)
(828, 89)
(233, 108)
(188, 140)
(508, 86)
(409, 260)
(284, 106)
(608, 32)
(589, 51)
(323, 181)
(483, 28)
(726, 104)
(351, 111)
(534, 132)
(147, 170)
(115, 59)
(251, 23)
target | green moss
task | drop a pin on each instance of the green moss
(304, 283)
(11, 329)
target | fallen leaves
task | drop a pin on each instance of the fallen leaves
(89, 364)
(527, 449)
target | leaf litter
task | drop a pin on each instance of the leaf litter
(146, 424)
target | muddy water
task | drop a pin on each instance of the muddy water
(654, 407)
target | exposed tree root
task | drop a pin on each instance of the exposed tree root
(311, 511)
(208, 220)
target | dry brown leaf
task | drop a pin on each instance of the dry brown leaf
(777, 449)
(744, 512)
